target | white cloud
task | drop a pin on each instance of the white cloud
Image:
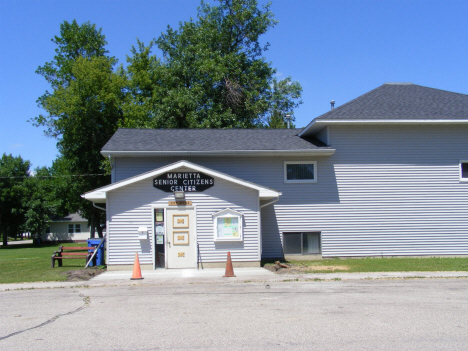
(16, 146)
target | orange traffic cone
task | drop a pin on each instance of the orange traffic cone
(136, 269)
(229, 271)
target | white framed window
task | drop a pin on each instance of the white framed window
(74, 228)
(300, 172)
(227, 225)
(302, 243)
(47, 230)
(464, 171)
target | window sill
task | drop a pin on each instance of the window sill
(227, 240)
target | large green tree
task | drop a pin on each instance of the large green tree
(211, 74)
(82, 110)
(13, 192)
(44, 199)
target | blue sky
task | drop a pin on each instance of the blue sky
(337, 50)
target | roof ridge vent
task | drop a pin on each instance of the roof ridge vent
(398, 83)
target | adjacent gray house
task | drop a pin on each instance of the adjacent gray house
(385, 174)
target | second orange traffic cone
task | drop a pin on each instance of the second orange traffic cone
(229, 270)
(136, 269)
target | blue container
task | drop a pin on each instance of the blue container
(100, 254)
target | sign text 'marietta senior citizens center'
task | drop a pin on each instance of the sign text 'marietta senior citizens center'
(183, 181)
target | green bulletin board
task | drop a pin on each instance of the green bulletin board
(228, 227)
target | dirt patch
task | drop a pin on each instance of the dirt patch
(295, 269)
(327, 268)
(83, 274)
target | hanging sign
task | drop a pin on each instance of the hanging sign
(179, 203)
(183, 181)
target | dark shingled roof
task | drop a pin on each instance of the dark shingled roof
(403, 101)
(72, 217)
(210, 140)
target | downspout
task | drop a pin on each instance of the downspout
(112, 168)
(101, 208)
(269, 203)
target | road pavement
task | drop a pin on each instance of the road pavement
(388, 314)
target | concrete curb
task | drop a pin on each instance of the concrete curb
(215, 276)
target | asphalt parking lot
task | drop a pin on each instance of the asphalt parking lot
(389, 314)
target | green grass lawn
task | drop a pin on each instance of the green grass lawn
(31, 263)
(383, 265)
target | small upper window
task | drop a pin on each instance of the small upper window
(70, 229)
(300, 172)
(77, 228)
(464, 171)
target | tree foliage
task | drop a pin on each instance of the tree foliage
(74, 41)
(211, 75)
(284, 97)
(13, 192)
(83, 109)
(41, 202)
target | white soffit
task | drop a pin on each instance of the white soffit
(316, 126)
(99, 195)
(234, 153)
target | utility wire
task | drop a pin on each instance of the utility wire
(57, 176)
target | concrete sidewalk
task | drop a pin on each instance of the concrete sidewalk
(188, 274)
(215, 276)
(19, 242)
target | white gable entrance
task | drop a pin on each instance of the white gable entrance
(191, 213)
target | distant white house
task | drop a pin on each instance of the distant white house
(72, 227)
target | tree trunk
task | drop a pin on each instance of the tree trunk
(5, 235)
(99, 230)
(92, 227)
(98, 216)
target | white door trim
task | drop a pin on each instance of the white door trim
(165, 207)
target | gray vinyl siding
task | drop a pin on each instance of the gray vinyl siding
(399, 192)
(131, 206)
(388, 190)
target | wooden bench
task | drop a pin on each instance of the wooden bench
(72, 252)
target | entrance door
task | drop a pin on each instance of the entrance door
(180, 238)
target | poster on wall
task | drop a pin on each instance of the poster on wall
(159, 228)
(228, 227)
(159, 217)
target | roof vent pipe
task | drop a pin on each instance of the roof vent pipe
(288, 120)
(332, 104)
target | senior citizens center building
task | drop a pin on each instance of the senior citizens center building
(385, 174)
